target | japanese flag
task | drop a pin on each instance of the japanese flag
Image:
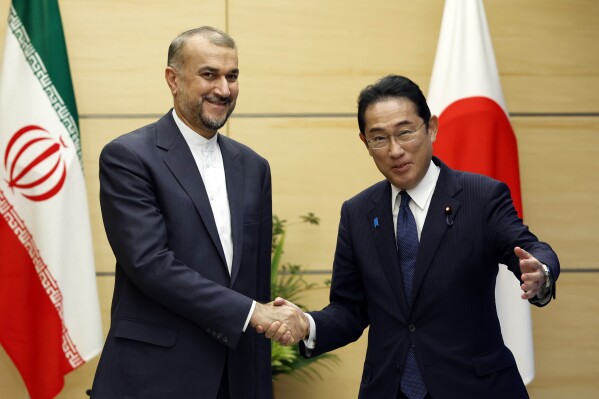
(475, 135)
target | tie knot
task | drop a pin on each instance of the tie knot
(405, 199)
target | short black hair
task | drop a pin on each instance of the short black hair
(392, 86)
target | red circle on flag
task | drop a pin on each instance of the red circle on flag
(475, 135)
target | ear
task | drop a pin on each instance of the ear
(433, 125)
(170, 74)
(363, 138)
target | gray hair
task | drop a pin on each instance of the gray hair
(213, 35)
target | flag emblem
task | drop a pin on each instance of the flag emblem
(35, 163)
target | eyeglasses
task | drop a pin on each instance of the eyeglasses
(402, 137)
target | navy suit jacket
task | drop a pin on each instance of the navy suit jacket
(452, 322)
(177, 316)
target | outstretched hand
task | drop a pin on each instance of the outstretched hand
(532, 273)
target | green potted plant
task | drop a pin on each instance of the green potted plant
(287, 281)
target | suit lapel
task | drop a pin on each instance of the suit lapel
(380, 222)
(235, 192)
(437, 222)
(180, 161)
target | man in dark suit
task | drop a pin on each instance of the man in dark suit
(187, 212)
(420, 270)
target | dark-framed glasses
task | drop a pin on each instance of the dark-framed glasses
(402, 137)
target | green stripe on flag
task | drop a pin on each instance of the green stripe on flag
(37, 26)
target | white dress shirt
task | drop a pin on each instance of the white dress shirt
(209, 160)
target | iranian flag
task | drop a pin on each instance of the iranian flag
(475, 135)
(49, 312)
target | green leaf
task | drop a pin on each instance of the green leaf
(276, 256)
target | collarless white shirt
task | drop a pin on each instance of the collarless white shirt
(209, 160)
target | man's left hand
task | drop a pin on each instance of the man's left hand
(532, 274)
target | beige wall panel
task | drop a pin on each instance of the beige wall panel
(118, 48)
(314, 56)
(301, 60)
(559, 165)
(10, 380)
(4, 5)
(316, 165)
(547, 52)
(76, 382)
(305, 61)
(566, 344)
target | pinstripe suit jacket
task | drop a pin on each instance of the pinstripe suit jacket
(452, 322)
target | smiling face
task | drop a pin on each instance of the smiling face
(204, 85)
(403, 165)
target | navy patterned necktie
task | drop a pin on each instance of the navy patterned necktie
(412, 384)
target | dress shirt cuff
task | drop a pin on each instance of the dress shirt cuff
(545, 293)
(543, 296)
(310, 342)
(247, 321)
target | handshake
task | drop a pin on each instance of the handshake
(281, 321)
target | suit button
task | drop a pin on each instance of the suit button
(225, 340)
(208, 330)
(412, 328)
(219, 336)
(214, 333)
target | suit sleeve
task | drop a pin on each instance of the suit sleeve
(507, 231)
(346, 317)
(137, 232)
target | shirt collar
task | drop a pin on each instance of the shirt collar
(193, 139)
(423, 190)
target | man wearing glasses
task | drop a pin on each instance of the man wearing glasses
(417, 259)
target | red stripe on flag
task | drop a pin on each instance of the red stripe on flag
(32, 330)
(475, 135)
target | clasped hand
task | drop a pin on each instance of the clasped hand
(281, 321)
